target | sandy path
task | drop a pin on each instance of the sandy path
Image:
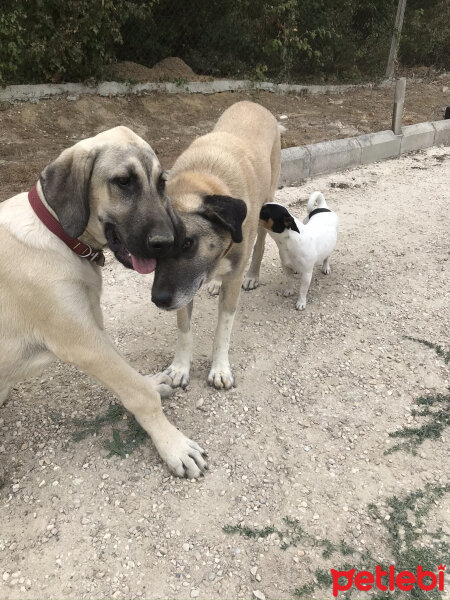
(303, 435)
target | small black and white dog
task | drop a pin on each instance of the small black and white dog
(302, 245)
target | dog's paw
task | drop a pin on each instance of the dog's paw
(326, 269)
(221, 377)
(162, 384)
(250, 283)
(184, 457)
(288, 292)
(178, 374)
(301, 304)
(214, 287)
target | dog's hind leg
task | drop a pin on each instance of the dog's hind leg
(178, 371)
(251, 279)
(220, 375)
(326, 266)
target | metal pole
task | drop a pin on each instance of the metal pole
(399, 99)
(396, 38)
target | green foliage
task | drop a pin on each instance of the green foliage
(50, 40)
(133, 436)
(409, 542)
(426, 34)
(435, 407)
(438, 349)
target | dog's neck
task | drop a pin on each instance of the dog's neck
(84, 246)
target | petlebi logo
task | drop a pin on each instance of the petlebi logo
(388, 580)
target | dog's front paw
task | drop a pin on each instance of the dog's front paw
(326, 269)
(288, 292)
(178, 374)
(221, 377)
(250, 283)
(162, 384)
(214, 287)
(301, 304)
(184, 457)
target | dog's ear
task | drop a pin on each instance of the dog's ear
(228, 212)
(65, 183)
(289, 223)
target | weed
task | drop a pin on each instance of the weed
(438, 349)
(436, 407)
(409, 542)
(134, 436)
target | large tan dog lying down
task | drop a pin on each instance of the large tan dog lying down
(106, 190)
(218, 186)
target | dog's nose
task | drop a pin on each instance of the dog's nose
(159, 244)
(161, 298)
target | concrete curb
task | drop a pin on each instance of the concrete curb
(34, 93)
(301, 162)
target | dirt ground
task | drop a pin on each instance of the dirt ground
(31, 135)
(302, 436)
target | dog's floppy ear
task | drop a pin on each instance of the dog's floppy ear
(227, 211)
(290, 223)
(65, 183)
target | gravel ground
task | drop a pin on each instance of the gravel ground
(303, 435)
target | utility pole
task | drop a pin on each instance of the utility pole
(396, 38)
(399, 99)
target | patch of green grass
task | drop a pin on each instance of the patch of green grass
(133, 436)
(410, 543)
(437, 408)
(438, 349)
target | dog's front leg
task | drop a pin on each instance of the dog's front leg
(87, 347)
(178, 371)
(304, 287)
(220, 375)
(251, 279)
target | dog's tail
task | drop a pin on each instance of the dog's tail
(316, 200)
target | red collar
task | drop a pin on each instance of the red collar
(227, 250)
(83, 250)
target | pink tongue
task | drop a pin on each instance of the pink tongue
(143, 265)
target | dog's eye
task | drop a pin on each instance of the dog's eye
(188, 242)
(123, 181)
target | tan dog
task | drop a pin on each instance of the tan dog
(218, 186)
(108, 189)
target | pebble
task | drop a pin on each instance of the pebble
(195, 593)
(259, 595)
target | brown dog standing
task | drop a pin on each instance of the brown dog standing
(218, 186)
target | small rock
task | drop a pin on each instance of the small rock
(186, 547)
(259, 595)
(195, 593)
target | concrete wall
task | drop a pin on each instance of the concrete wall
(301, 162)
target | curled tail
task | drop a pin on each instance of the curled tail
(316, 200)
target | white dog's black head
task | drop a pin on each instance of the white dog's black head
(276, 218)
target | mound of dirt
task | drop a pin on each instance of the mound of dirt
(167, 69)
